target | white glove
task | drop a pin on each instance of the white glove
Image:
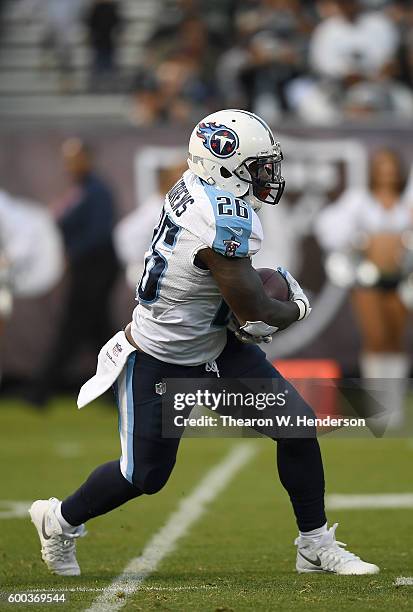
(297, 295)
(245, 337)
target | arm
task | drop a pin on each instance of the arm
(243, 291)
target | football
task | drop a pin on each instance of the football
(275, 285)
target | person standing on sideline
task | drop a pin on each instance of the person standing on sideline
(86, 220)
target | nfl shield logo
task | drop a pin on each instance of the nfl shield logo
(160, 388)
(117, 349)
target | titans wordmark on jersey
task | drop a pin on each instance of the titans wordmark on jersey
(181, 317)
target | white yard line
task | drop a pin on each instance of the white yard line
(11, 509)
(404, 581)
(369, 501)
(166, 539)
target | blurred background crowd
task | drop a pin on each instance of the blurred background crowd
(97, 101)
(317, 60)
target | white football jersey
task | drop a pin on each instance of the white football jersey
(357, 212)
(181, 317)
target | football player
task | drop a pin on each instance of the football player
(198, 267)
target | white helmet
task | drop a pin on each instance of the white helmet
(236, 151)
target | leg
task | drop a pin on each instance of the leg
(69, 338)
(396, 357)
(368, 308)
(145, 466)
(71, 334)
(395, 318)
(301, 473)
(382, 319)
(300, 468)
(105, 489)
(299, 460)
(147, 459)
(99, 293)
(85, 317)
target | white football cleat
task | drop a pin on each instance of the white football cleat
(326, 554)
(58, 548)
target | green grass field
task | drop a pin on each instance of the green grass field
(239, 556)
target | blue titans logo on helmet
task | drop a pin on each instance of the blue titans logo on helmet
(220, 140)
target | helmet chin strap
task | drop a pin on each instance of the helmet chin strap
(207, 177)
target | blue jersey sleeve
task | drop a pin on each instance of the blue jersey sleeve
(232, 238)
(233, 220)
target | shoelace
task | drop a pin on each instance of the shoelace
(335, 554)
(62, 547)
(332, 551)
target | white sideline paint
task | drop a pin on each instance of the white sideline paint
(165, 540)
(404, 581)
(12, 509)
(369, 501)
(142, 587)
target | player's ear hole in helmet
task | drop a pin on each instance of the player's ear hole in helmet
(225, 173)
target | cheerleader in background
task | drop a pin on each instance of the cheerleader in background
(372, 226)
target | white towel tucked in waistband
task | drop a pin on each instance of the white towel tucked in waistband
(111, 361)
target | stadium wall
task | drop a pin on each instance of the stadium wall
(319, 165)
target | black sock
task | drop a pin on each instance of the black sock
(301, 473)
(105, 489)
